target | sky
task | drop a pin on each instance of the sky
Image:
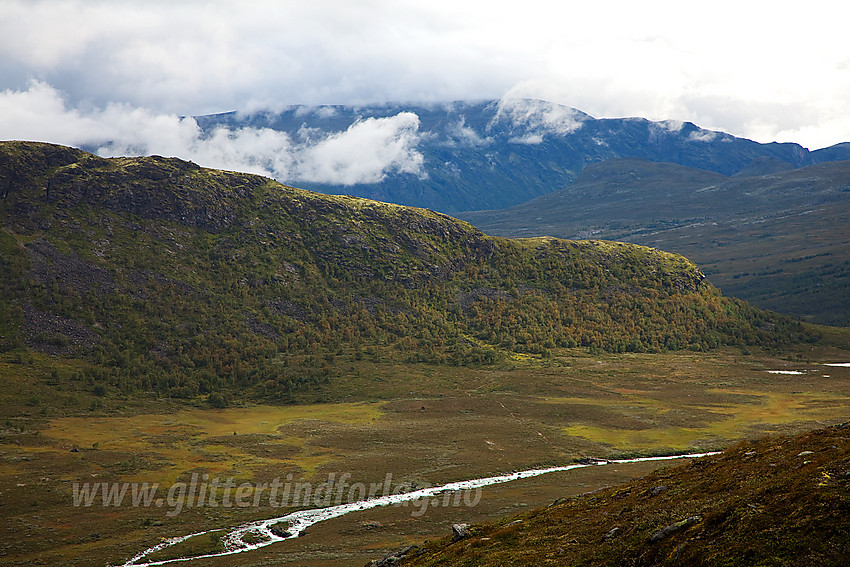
(119, 75)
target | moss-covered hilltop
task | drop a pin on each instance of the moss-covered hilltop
(165, 276)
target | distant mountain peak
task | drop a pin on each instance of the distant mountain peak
(475, 155)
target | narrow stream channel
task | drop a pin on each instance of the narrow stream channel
(297, 522)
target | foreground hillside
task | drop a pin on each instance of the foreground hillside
(772, 236)
(164, 276)
(775, 501)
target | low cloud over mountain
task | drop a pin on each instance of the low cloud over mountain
(365, 152)
(450, 157)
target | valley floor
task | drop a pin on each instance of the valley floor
(424, 425)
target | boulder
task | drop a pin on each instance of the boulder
(667, 531)
(460, 531)
(280, 530)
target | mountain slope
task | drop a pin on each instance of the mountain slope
(467, 156)
(781, 501)
(777, 239)
(164, 276)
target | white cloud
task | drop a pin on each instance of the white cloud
(702, 136)
(660, 129)
(325, 112)
(771, 72)
(364, 153)
(252, 150)
(529, 139)
(673, 125)
(534, 118)
(461, 134)
(39, 113)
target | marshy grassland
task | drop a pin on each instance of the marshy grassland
(423, 424)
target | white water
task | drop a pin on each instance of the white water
(303, 519)
(801, 372)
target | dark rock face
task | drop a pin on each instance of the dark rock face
(68, 272)
(153, 187)
(57, 335)
(158, 188)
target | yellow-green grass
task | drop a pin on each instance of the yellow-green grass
(190, 439)
(718, 422)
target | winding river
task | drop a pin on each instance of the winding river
(297, 522)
